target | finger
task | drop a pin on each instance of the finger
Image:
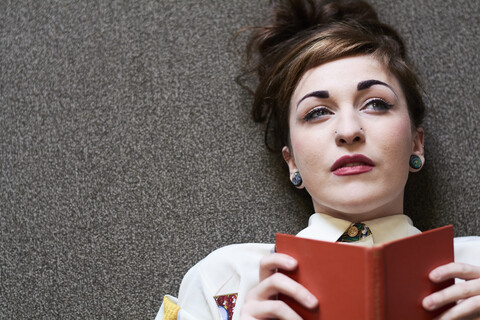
(280, 283)
(269, 309)
(269, 264)
(467, 309)
(453, 293)
(455, 270)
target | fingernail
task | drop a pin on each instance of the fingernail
(428, 303)
(291, 262)
(311, 301)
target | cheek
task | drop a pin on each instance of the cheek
(398, 139)
(299, 147)
(305, 145)
(305, 142)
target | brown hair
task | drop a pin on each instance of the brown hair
(304, 34)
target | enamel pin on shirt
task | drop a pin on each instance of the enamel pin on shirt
(226, 305)
(355, 232)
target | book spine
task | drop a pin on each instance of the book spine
(375, 291)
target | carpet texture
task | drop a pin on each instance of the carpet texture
(127, 151)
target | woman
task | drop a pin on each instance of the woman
(344, 109)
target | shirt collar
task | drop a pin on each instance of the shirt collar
(326, 228)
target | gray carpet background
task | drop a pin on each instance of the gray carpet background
(127, 152)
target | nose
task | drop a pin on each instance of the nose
(349, 132)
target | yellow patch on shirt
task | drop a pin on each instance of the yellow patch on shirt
(170, 309)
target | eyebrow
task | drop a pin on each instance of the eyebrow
(322, 94)
(362, 85)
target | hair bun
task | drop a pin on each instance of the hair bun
(290, 17)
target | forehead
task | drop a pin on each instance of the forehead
(344, 74)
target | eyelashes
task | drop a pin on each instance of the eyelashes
(317, 112)
(375, 105)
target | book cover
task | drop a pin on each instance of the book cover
(387, 281)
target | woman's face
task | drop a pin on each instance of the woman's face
(351, 138)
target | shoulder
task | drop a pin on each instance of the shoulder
(234, 260)
(230, 270)
(467, 250)
(237, 253)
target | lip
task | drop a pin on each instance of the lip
(365, 164)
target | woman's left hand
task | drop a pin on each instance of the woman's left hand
(465, 294)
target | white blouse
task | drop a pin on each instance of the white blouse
(233, 270)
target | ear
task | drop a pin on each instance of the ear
(289, 159)
(417, 146)
(287, 156)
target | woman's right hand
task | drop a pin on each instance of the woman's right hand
(260, 301)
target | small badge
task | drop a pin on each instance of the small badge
(226, 305)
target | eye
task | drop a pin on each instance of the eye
(316, 113)
(377, 104)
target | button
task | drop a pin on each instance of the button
(352, 231)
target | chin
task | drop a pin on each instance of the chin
(352, 209)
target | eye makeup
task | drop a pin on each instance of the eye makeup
(316, 113)
(377, 104)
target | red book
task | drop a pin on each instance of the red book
(387, 281)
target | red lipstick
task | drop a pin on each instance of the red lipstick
(352, 164)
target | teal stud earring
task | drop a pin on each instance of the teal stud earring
(415, 162)
(297, 179)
